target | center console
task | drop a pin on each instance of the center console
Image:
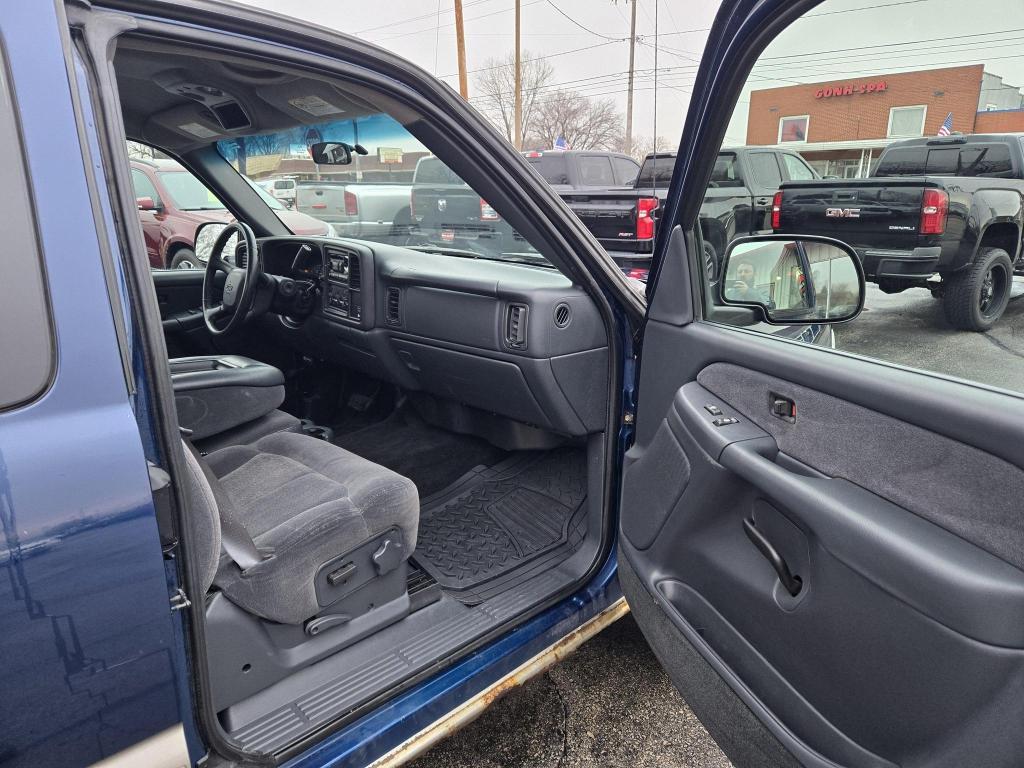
(215, 393)
(343, 297)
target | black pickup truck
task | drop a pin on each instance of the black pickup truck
(572, 169)
(737, 202)
(947, 206)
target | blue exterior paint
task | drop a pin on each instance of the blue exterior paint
(87, 648)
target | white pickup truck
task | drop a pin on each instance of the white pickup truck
(355, 209)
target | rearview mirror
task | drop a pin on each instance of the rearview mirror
(793, 280)
(334, 152)
(206, 235)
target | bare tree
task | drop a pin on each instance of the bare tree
(584, 123)
(645, 145)
(494, 91)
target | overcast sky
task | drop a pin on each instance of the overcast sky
(584, 42)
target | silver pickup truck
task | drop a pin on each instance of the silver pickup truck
(357, 209)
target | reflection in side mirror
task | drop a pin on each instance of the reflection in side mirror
(331, 153)
(145, 203)
(795, 280)
(206, 235)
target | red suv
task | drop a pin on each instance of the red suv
(172, 203)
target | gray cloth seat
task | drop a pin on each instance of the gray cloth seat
(250, 431)
(305, 503)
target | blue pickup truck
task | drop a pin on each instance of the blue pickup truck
(321, 501)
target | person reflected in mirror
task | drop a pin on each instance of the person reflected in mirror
(743, 287)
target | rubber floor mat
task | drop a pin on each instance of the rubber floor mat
(495, 527)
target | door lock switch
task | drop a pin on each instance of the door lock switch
(725, 421)
(714, 410)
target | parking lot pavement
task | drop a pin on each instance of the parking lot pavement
(909, 328)
(609, 704)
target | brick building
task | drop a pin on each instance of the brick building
(841, 126)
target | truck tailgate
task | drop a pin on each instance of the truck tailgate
(882, 212)
(610, 216)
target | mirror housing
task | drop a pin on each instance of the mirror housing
(793, 279)
(206, 235)
(146, 204)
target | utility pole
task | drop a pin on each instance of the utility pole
(629, 91)
(518, 86)
(460, 39)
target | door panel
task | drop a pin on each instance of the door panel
(179, 294)
(910, 615)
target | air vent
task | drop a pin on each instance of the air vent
(393, 310)
(355, 279)
(563, 315)
(241, 255)
(515, 325)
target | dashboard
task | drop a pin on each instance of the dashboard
(509, 339)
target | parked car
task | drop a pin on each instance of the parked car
(825, 551)
(284, 190)
(356, 209)
(568, 170)
(737, 202)
(172, 203)
(948, 206)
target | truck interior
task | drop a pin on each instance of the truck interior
(392, 453)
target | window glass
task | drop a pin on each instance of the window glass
(911, 156)
(727, 171)
(188, 193)
(625, 170)
(766, 169)
(656, 171)
(143, 186)
(796, 169)
(793, 129)
(26, 342)
(550, 165)
(399, 192)
(595, 171)
(906, 121)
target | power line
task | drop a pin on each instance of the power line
(581, 26)
(472, 18)
(416, 18)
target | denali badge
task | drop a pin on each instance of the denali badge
(843, 213)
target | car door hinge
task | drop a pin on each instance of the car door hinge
(628, 417)
(179, 600)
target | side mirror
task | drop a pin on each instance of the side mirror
(206, 235)
(145, 203)
(793, 280)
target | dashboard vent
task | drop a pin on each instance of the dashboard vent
(241, 255)
(515, 325)
(563, 315)
(393, 309)
(355, 279)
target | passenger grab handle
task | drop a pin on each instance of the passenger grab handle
(791, 583)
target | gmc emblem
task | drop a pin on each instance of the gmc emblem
(843, 213)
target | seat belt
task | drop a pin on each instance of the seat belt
(235, 540)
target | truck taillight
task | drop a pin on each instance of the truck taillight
(777, 210)
(486, 212)
(645, 208)
(934, 207)
(351, 203)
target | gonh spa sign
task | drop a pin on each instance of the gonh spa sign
(850, 90)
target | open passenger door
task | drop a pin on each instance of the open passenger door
(835, 578)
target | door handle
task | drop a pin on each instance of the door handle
(763, 201)
(791, 583)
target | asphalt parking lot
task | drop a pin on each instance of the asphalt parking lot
(611, 704)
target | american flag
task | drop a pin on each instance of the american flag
(947, 126)
(561, 143)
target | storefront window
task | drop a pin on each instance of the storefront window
(907, 121)
(793, 128)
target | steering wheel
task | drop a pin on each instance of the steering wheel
(239, 291)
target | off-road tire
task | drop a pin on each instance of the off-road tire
(184, 258)
(973, 300)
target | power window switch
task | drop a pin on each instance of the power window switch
(725, 421)
(714, 410)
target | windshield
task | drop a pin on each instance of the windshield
(398, 192)
(188, 193)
